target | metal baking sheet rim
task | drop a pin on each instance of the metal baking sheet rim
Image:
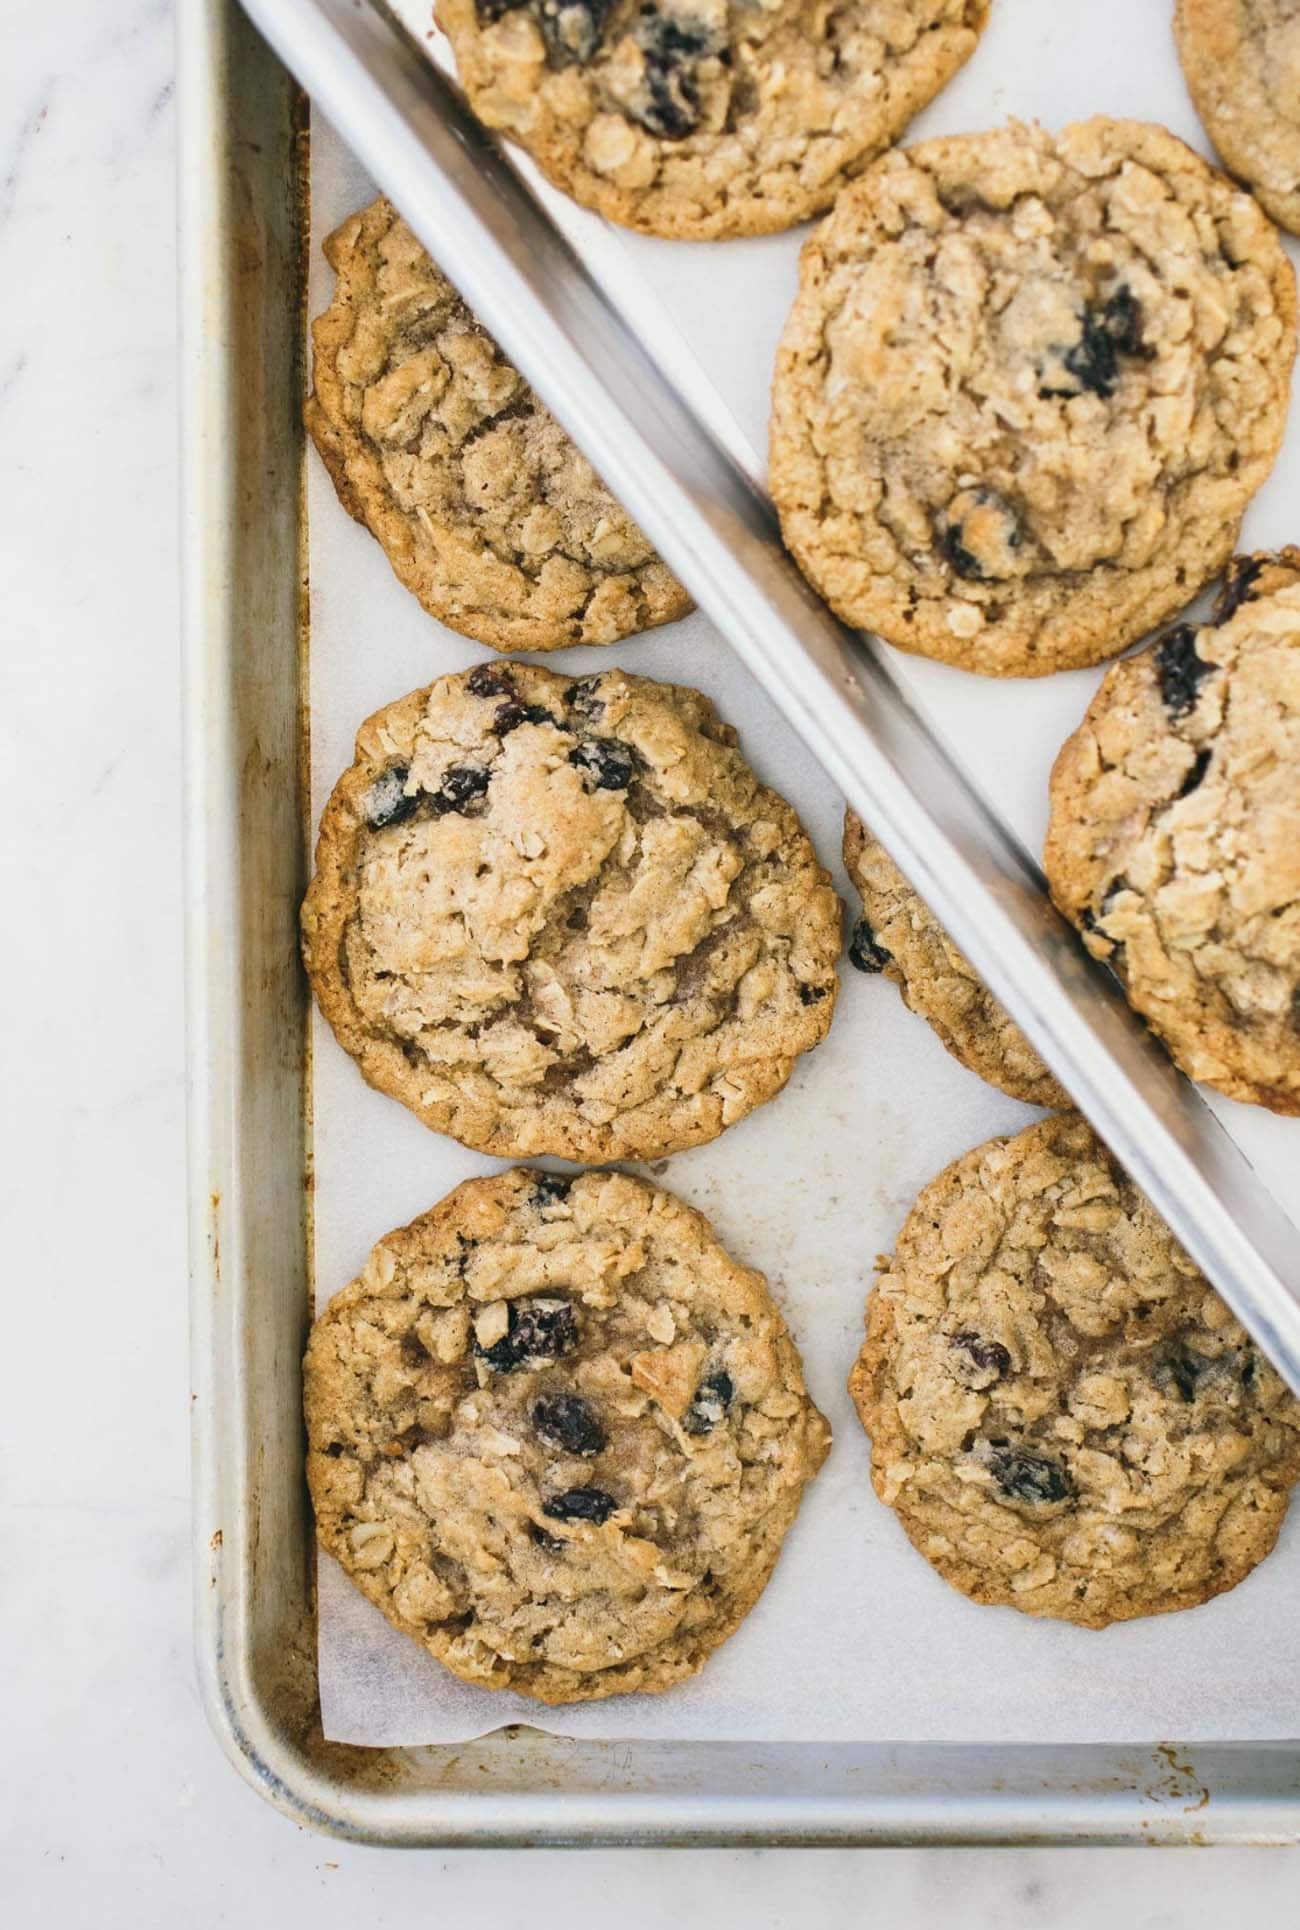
(241, 175)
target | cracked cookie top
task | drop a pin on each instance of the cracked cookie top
(486, 510)
(1028, 386)
(899, 935)
(705, 118)
(1063, 1413)
(565, 917)
(1174, 841)
(1241, 59)
(557, 1434)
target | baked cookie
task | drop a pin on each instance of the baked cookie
(1063, 1414)
(1241, 60)
(485, 509)
(899, 935)
(558, 1435)
(559, 917)
(1028, 386)
(1174, 841)
(705, 118)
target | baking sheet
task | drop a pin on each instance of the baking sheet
(856, 1639)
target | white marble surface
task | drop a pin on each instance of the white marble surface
(118, 1809)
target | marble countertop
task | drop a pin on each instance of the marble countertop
(120, 1810)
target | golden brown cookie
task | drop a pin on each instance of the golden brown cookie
(558, 1435)
(565, 917)
(1174, 842)
(1241, 59)
(485, 509)
(1027, 389)
(705, 118)
(899, 935)
(1063, 1414)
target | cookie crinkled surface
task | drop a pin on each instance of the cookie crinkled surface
(1241, 59)
(1027, 388)
(486, 510)
(559, 916)
(557, 1435)
(1064, 1415)
(705, 118)
(1174, 841)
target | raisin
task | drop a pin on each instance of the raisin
(566, 1422)
(488, 679)
(1123, 321)
(583, 697)
(388, 802)
(1092, 920)
(956, 552)
(1106, 333)
(979, 534)
(1179, 1369)
(573, 29)
(550, 1186)
(539, 1330)
(1092, 360)
(1243, 573)
(986, 1359)
(1090, 923)
(811, 994)
(610, 764)
(553, 1544)
(512, 714)
(580, 1504)
(668, 103)
(1200, 765)
(460, 786)
(1025, 1476)
(709, 1403)
(1188, 1373)
(1182, 669)
(864, 950)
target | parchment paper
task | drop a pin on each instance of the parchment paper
(856, 1638)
